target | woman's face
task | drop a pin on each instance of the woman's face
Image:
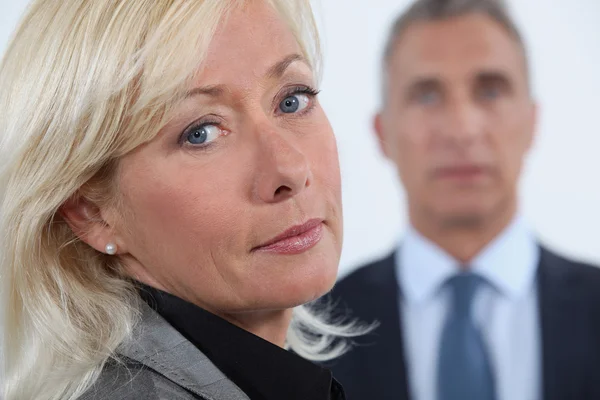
(236, 205)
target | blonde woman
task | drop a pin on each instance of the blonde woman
(170, 197)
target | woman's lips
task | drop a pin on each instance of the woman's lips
(296, 239)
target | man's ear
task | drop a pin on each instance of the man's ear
(379, 132)
(533, 121)
(85, 219)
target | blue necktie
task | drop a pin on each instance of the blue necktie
(464, 370)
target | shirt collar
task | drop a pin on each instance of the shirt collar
(509, 263)
(261, 369)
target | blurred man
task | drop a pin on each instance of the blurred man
(470, 306)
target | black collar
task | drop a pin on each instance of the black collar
(261, 369)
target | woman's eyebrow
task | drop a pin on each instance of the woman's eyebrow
(278, 69)
(274, 72)
(212, 91)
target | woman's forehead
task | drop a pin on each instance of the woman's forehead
(252, 34)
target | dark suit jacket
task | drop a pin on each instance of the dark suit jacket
(569, 304)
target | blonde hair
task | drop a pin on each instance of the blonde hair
(82, 84)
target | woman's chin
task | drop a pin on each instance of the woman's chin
(290, 281)
(305, 289)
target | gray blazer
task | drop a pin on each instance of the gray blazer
(160, 364)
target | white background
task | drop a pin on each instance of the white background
(561, 184)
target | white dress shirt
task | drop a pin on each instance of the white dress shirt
(506, 310)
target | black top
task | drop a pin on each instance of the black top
(259, 368)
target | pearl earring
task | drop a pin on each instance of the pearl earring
(111, 249)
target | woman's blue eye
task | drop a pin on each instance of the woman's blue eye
(203, 134)
(293, 104)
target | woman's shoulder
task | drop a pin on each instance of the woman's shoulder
(129, 380)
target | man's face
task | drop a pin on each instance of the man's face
(458, 118)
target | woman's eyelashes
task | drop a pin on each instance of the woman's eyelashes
(294, 101)
(202, 134)
(297, 100)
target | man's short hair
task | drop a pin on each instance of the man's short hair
(436, 10)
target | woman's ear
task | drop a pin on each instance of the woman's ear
(85, 219)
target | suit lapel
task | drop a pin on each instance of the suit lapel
(157, 345)
(387, 356)
(563, 330)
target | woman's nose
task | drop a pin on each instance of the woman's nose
(284, 170)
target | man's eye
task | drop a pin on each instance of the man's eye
(428, 97)
(490, 92)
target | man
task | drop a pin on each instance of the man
(470, 306)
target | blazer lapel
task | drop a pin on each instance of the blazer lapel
(563, 330)
(386, 358)
(160, 347)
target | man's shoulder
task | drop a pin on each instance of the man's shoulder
(583, 276)
(360, 288)
(129, 380)
(371, 275)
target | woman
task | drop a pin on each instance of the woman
(170, 196)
